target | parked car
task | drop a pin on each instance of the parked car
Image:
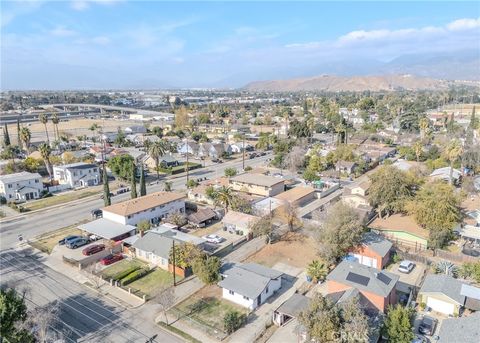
(107, 260)
(111, 195)
(93, 249)
(78, 242)
(427, 326)
(213, 239)
(94, 238)
(97, 213)
(420, 339)
(263, 153)
(406, 266)
(68, 239)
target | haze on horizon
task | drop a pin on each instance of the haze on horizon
(105, 44)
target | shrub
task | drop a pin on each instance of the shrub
(396, 258)
(422, 306)
(3, 200)
(125, 273)
(207, 269)
(134, 276)
(233, 320)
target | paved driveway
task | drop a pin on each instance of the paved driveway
(412, 279)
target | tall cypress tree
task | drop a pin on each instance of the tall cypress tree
(133, 183)
(19, 140)
(143, 187)
(106, 189)
(6, 136)
(473, 120)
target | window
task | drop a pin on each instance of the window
(246, 298)
(9, 185)
(36, 181)
(129, 217)
(266, 290)
(231, 292)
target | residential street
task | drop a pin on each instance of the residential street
(34, 224)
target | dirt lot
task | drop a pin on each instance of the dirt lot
(49, 240)
(294, 249)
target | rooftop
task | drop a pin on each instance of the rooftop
(461, 330)
(294, 305)
(399, 222)
(295, 194)
(78, 166)
(143, 203)
(202, 215)
(23, 176)
(257, 179)
(441, 283)
(106, 228)
(377, 243)
(238, 218)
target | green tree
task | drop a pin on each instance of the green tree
(317, 270)
(143, 226)
(185, 254)
(133, 181)
(225, 197)
(32, 164)
(233, 320)
(341, 231)
(167, 186)
(25, 137)
(230, 172)
(143, 186)
(43, 118)
(106, 188)
(46, 151)
(474, 122)
(452, 152)
(13, 317)
(322, 320)
(6, 136)
(390, 189)
(398, 326)
(121, 166)
(263, 227)
(19, 140)
(55, 121)
(157, 131)
(156, 151)
(207, 269)
(191, 183)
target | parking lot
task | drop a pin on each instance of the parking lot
(75, 254)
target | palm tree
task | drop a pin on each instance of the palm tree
(453, 151)
(317, 270)
(418, 148)
(157, 150)
(423, 125)
(55, 121)
(43, 118)
(225, 197)
(45, 151)
(25, 137)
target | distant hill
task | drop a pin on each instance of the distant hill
(354, 83)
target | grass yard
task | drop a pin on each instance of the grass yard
(121, 266)
(49, 240)
(207, 307)
(153, 281)
(294, 249)
(61, 199)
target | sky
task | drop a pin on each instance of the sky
(108, 44)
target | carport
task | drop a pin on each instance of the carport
(108, 230)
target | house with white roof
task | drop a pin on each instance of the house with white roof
(444, 174)
(21, 186)
(77, 174)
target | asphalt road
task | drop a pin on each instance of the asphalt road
(84, 316)
(34, 224)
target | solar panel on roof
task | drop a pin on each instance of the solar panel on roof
(385, 279)
(362, 280)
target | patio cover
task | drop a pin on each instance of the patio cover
(106, 228)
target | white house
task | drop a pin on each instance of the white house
(250, 284)
(152, 207)
(135, 129)
(77, 174)
(21, 186)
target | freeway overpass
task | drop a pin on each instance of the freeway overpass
(103, 108)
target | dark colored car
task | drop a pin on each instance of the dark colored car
(68, 239)
(97, 213)
(111, 195)
(93, 249)
(78, 242)
(107, 260)
(427, 326)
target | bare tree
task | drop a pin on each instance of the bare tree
(166, 298)
(91, 271)
(295, 159)
(288, 213)
(43, 319)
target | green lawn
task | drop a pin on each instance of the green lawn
(49, 240)
(153, 281)
(120, 266)
(59, 199)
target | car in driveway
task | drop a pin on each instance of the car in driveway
(93, 249)
(420, 339)
(213, 239)
(406, 267)
(427, 326)
(76, 243)
(110, 259)
(68, 239)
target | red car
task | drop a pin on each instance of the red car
(111, 259)
(93, 249)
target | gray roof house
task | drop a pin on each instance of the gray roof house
(460, 330)
(250, 284)
(290, 309)
(442, 293)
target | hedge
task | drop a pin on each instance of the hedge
(180, 169)
(125, 273)
(134, 276)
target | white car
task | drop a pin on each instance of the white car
(213, 239)
(406, 266)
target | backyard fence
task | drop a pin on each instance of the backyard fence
(204, 327)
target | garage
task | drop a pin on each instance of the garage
(440, 306)
(365, 260)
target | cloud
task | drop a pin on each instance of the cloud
(82, 5)
(11, 10)
(62, 31)
(101, 40)
(464, 24)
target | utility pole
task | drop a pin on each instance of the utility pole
(243, 152)
(187, 158)
(173, 262)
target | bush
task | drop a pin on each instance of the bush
(207, 269)
(422, 306)
(3, 200)
(134, 276)
(396, 258)
(248, 168)
(125, 273)
(233, 320)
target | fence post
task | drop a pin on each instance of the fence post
(129, 290)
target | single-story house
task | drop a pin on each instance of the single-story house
(235, 221)
(257, 184)
(108, 229)
(345, 167)
(190, 148)
(374, 251)
(444, 174)
(376, 286)
(266, 206)
(460, 330)
(358, 189)
(447, 295)
(401, 229)
(297, 196)
(164, 161)
(250, 284)
(202, 217)
(290, 309)
(198, 194)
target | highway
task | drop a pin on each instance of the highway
(34, 224)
